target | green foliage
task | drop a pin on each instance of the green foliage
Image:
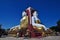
(56, 28)
(0, 26)
(58, 23)
(53, 27)
(2, 31)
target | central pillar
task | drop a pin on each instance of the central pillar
(30, 27)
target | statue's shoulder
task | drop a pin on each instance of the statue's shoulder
(25, 16)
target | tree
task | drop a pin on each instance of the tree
(58, 23)
(0, 30)
(0, 26)
(56, 28)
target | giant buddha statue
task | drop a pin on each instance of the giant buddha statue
(36, 23)
(24, 20)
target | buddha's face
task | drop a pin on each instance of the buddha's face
(35, 14)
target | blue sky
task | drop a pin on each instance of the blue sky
(11, 10)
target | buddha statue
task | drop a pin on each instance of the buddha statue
(24, 20)
(36, 22)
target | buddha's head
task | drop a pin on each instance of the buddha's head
(35, 13)
(24, 14)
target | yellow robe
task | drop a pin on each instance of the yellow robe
(24, 22)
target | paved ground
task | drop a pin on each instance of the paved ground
(45, 38)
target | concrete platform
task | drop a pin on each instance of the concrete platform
(21, 38)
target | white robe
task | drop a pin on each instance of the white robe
(34, 18)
